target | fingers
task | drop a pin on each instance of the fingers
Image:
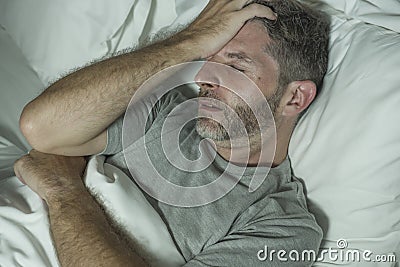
(248, 10)
(257, 10)
(219, 22)
(18, 168)
(216, 6)
(33, 152)
(22, 164)
(239, 4)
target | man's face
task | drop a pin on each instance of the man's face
(246, 53)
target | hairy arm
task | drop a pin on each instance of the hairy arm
(81, 232)
(71, 116)
(78, 108)
(84, 237)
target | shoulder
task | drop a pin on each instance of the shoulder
(283, 214)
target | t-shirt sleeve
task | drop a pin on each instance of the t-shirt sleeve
(114, 138)
(258, 242)
(146, 114)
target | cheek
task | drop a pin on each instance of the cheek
(252, 93)
(233, 100)
(267, 86)
(266, 78)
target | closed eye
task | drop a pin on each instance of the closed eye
(236, 68)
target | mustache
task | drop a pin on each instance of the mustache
(208, 94)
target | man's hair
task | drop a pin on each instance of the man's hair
(300, 40)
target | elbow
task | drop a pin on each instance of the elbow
(34, 130)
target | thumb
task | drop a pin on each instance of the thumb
(17, 170)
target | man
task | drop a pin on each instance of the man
(284, 54)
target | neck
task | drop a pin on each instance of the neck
(239, 154)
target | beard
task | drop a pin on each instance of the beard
(214, 130)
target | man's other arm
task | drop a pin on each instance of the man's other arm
(72, 115)
(81, 233)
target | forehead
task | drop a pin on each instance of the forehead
(250, 43)
(252, 39)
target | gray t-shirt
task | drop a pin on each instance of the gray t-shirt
(232, 230)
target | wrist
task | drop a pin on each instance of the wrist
(184, 45)
(63, 194)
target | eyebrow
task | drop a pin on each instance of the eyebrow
(240, 56)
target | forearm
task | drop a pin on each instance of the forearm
(79, 107)
(82, 105)
(83, 236)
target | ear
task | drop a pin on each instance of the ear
(298, 96)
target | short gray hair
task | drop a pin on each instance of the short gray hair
(300, 41)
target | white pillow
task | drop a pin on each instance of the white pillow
(146, 18)
(347, 147)
(64, 35)
(163, 16)
(383, 13)
(56, 36)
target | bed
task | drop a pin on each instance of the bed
(346, 149)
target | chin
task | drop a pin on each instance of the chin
(208, 128)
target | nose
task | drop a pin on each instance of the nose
(207, 77)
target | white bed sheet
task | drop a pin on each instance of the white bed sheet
(18, 85)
